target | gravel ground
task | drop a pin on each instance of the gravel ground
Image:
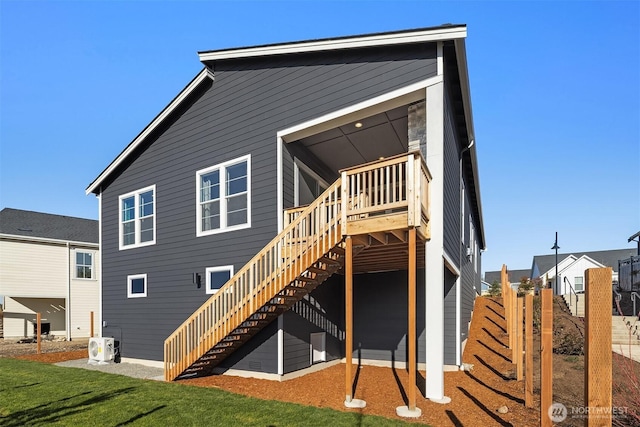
(128, 369)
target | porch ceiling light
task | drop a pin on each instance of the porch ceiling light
(358, 125)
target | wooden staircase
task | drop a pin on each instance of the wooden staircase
(384, 196)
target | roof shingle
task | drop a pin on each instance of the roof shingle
(49, 226)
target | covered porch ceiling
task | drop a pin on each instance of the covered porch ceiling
(361, 141)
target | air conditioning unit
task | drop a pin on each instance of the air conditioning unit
(101, 350)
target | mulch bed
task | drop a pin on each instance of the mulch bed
(475, 395)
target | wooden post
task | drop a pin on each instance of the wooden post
(91, 327)
(597, 347)
(348, 308)
(514, 325)
(506, 299)
(38, 331)
(546, 358)
(528, 349)
(518, 336)
(412, 320)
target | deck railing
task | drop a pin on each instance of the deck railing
(392, 185)
(389, 186)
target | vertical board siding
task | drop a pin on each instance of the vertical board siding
(238, 114)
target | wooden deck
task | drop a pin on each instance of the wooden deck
(376, 209)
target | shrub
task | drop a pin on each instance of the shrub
(627, 391)
(495, 290)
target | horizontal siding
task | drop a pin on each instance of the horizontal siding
(33, 270)
(380, 316)
(85, 298)
(450, 289)
(238, 114)
(321, 311)
(451, 186)
(260, 354)
(471, 281)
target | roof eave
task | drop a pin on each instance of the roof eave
(461, 57)
(205, 73)
(34, 239)
(449, 32)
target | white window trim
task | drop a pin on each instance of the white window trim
(222, 229)
(210, 270)
(322, 350)
(93, 265)
(297, 166)
(130, 278)
(137, 193)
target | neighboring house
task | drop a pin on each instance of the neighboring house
(571, 267)
(515, 276)
(203, 244)
(48, 264)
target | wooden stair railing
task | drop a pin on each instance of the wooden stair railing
(301, 257)
(308, 251)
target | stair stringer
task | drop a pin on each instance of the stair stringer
(302, 256)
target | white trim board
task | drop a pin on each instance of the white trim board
(372, 40)
(46, 240)
(205, 73)
(405, 95)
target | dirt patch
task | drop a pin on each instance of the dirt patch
(50, 351)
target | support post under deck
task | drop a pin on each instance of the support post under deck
(349, 401)
(410, 410)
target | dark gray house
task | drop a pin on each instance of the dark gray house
(296, 200)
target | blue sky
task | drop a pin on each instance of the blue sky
(554, 85)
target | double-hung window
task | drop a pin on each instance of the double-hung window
(84, 265)
(137, 218)
(224, 197)
(578, 281)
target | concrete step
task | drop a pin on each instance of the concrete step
(625, 331)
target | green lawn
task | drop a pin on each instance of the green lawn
(33, 393)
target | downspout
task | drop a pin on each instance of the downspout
(68, 304)
(460, 258)
(99, 264)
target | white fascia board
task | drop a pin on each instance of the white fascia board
(461, 58)
(374, 40)
(569, 266)
(405, 95)
(28, 239)
(202, 75)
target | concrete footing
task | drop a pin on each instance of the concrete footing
(443, 401)
(405, 412)
(355, 403)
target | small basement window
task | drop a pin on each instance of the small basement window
(137, 286)
(217, 277)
